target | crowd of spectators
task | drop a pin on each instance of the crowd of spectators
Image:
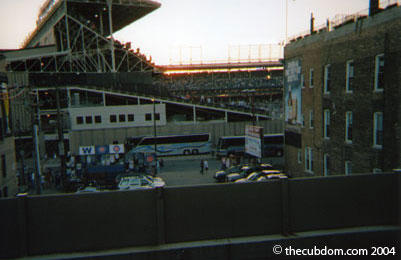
(225, 90)
(220, 80)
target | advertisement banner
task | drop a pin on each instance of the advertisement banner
(86, 150)
(102, 149)
(293, 91)
(116, 148)
(254, 140)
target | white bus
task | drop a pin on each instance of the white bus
(184, 144)
(273, 145)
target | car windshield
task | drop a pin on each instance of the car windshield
(124, 182)
(233, 169)
(133, 182)
(144, 182)
(253, 176)
(150, 178)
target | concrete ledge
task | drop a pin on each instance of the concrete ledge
(258, 247)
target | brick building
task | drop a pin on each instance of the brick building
(342, 95)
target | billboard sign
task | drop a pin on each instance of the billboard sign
(293, 91)
(86, 150)
(101, 149)
(254, 140)
(116, 148)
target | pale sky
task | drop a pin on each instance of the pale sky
(212, 24)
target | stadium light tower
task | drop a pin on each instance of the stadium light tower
(286, 21)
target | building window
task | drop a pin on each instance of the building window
(113, 119)
(308, 159)
(311, 78)
(299, 156)
(378, 129)
(80, 120)
(88, 120)
(379, 72)
(348, 127)
(3, 165)
(326, 165)
(303, 120)
(131, 118)
(157, 117)
(98, 119)
(348, 167)
(349, 77)
(327, 79)
(121, 118)
(326, 119)
(148, 117)
(311, 122)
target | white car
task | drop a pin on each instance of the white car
(140, 183)
(157, 181)
(87, 189)
(263, 175)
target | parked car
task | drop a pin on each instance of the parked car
(87, 189)
(247, 171)
(258, 176)
(157, 181)
(140, 182)
(221, 175)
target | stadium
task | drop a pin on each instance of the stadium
(71, 72)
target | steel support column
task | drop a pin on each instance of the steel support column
(113, 61)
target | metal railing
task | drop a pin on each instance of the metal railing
(342, 19)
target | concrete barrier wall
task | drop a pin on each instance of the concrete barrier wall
(98, 221)
(211, 212)
(10, 235)
(343, 201)
(91, 221)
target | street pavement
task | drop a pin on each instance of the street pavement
(179, 171)
(182, 171)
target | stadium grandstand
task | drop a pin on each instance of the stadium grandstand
(226, 85)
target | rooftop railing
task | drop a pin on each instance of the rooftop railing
(342, 19)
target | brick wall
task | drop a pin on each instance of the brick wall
(360, 41)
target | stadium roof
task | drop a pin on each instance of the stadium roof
(125, 12)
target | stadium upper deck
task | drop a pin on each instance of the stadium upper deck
(95, 13)
(80, 36)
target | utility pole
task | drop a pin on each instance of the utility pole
(154, 125)
(22, 154)
(60, 138)
(37, 159)
(35, 139)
